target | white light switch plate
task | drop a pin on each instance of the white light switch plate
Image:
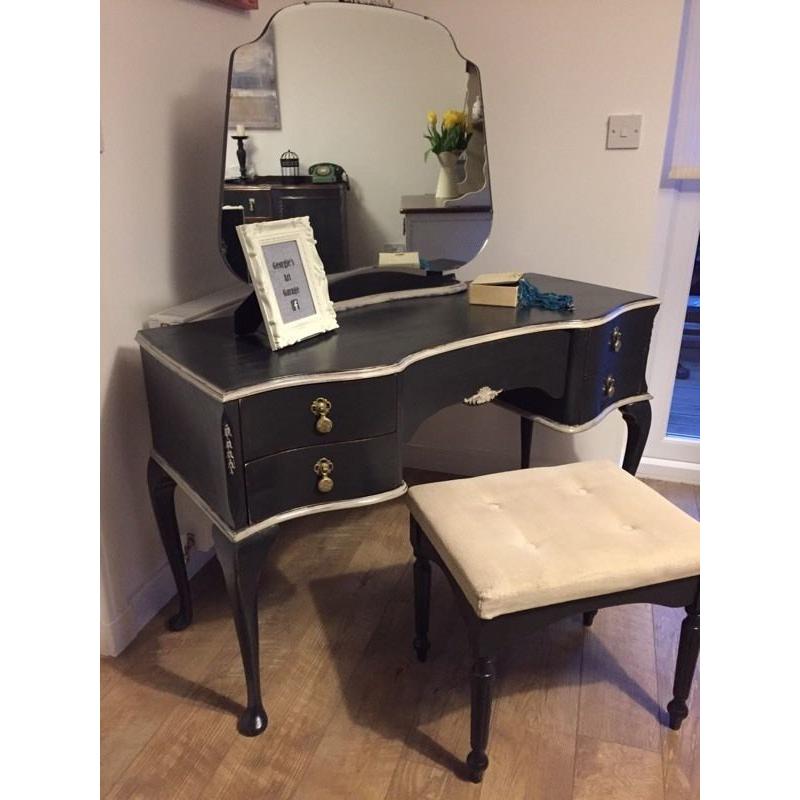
(624, 131)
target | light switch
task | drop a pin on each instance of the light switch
(624, 131)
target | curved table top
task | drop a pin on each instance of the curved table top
(372, 340)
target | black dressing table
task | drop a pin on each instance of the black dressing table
(257, 437)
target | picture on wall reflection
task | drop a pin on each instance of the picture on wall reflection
(254, 86)
(245, 5)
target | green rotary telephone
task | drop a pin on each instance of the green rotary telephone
(328, 173)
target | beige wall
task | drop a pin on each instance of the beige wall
(552, 71)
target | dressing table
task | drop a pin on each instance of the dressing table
(258, 437)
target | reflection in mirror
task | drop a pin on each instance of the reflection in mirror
(339, 94)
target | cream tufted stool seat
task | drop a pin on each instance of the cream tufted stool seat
(524, 548)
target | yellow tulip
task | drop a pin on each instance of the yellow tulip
(432, 118)
(450, 119)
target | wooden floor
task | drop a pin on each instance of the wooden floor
(578, 713)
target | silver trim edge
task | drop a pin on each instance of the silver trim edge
(388, 369)
(275, 519)
(584, 426)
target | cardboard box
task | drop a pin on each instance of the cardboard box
(495, 289)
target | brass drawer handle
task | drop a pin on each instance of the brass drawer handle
(251, 201)
(323, 469)
(616, 340)
(321, 407)
(610, 386)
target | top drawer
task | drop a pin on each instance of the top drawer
(620, 346)
(256, 202)
(283, 419)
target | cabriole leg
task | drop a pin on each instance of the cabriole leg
(241, 565)
(525, 439)
(162, 498)
(637, 417)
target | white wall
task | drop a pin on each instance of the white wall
(403, 66)
(552, 71)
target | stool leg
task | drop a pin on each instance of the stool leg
(422, 606)
(481, 679)
(588, 618)
(525, 439)
(688, 649)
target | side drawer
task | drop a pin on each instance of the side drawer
(289, 480)
(256, 202)
(283, 419)
(620, 345)
(615, 361)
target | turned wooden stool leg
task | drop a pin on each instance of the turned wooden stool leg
(482, 676)
(688, 649)
(422, 595)
(422, 606)
(588, 618)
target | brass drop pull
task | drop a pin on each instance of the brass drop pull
(616, 340)
(610, 386)
(323, 469)
(251, 201)
(321, 407)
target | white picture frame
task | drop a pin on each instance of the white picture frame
(289, 279)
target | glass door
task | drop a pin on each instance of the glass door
(684, 413)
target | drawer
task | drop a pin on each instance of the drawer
(289, 480)
(283, 419)
(615, 361)
(620, 345)
(256, 202)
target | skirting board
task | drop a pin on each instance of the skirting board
(664, 469)
(159, 590)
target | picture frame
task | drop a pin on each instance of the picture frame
(254, 101)
(289, 279)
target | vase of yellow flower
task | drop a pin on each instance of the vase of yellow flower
(447, 143)
(446, 186)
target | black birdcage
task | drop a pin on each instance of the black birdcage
(290, 166)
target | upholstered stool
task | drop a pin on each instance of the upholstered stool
(522, 549)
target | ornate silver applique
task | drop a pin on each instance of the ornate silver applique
(484, 395)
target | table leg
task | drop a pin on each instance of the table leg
(637, 417)
(525, 439)
(162, 498)
(241, 565)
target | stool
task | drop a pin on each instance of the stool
(522, 549)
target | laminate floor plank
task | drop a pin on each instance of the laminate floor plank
(437, 739)
(577, 714)
(307, 691)
(680, 750)
(612, 771)
(533, 738)
(220, 685)
(619, 693)
(157, 673)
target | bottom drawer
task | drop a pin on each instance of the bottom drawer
(288, 480)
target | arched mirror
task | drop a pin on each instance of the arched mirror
(329, 116)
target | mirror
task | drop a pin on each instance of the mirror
(327, 117)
